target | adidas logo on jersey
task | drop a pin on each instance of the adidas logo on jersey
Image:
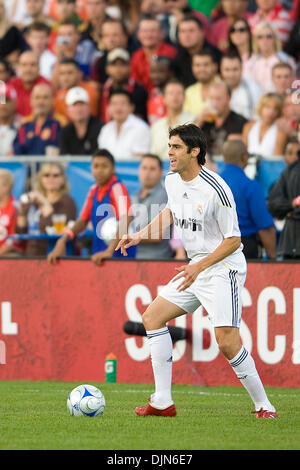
(185, 196)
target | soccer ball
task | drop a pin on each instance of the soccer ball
(109, 230)
(86, 400)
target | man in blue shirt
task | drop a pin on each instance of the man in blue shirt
(255, 221)
(42, 128)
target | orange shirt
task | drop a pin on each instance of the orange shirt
(60, 99)
(80, 4)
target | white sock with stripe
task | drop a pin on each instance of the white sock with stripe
(161, 349)
(244, 367)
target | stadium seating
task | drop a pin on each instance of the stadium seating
(80, 177)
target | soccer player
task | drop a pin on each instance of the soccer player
(202, 207)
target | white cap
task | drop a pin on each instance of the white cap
(118, 53)
(77, 94)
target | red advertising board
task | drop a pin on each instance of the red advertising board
(60, 322)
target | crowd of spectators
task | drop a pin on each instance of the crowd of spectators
(84, 75)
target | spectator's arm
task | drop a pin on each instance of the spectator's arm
(280, 143)
(6, 248)
(268, 240)
(278, 202)
(19, 142)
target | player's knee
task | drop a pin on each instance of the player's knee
(225, 345)
(146, 319)
(150, 320)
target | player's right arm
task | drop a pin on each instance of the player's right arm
(154, 230)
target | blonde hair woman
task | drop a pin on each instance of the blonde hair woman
(267, 52)
(263, 136)
(50, 196)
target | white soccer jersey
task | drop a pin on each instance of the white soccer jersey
(204, 212)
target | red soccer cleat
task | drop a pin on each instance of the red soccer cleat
(265, 414)
(148, 410)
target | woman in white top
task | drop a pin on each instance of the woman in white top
(267, 53)
(263, 136)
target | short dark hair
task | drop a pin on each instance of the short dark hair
(195, 19)
(193, 137)
(70, 61)
(206, 52)
(116, 21)
(173, 81)
(104, 153)
(121, 91)
(232, 56)
(39, 26)
(154, 157)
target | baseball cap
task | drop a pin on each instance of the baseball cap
(77, 94)
(118, 53)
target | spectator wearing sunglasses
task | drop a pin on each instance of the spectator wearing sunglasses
(267, 52)
(232, 10)
(240, 42)
(274, 12)
(49, 196)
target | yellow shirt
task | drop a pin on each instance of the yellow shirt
(194, 103)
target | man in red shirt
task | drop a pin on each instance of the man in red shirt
(29, 76)
(150, 35)
(273, 12)
(8, 212)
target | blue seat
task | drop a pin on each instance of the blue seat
(268, 172)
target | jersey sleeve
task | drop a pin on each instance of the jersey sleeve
(226, 215)
(86, 211)
(120, 200)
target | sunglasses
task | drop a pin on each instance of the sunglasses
(54, 175)
(264, 36)
(239, 30)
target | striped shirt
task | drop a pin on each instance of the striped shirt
(279, 17)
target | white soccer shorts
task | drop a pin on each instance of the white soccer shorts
(218, 289)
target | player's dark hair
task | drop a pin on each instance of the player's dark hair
(193, 137)
(104, 153)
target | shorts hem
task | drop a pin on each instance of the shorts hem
(174, 303)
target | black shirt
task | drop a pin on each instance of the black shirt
(71, 144)
(181, 65)
(216, 136)
(11, 41)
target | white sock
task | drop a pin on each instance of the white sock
(244, 367)
(161, 349)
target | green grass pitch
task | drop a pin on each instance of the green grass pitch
(34, 416)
